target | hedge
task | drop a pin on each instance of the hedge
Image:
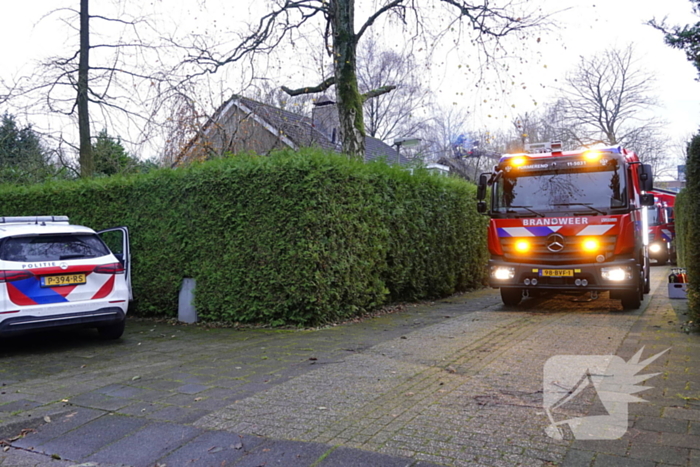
(687, 215)
(296, 238)
(681, 226)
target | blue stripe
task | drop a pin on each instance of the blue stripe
(503, 232)
(42, 295)
(540, 231)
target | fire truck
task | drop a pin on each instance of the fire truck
(662, 232)
(568, 221)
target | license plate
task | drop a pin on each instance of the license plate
(557, 272)
(67, 279)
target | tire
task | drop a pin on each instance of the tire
(511, 297)
(631, 300)
(662, 259)
(112, 331)
(647, 285)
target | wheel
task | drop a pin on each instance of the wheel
(662, 259)
(647, 284)
(631, 299)
(511, 297)
(112, 331)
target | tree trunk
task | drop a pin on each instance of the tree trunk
(87, 164)
(349, 99)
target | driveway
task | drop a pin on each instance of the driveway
(456, 382)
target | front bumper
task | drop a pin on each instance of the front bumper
(96, 318)
(579, 277)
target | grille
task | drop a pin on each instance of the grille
(572, 253)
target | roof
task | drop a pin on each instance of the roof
(295, 130)
(298, 128)
(377, 149)
(39, 225)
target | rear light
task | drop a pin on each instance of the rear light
(10, 276)
(112, 268)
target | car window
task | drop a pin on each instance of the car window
(52, 247)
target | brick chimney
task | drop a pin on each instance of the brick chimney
(325, 118)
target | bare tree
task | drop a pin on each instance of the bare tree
(112, 73)
(548, 124)
(401, 113)
(486, 21)
(609, 99)
(450, 140)
(445, 126)
(654, 149)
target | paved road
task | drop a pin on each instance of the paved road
(458, 382)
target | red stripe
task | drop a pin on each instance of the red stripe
(17, 297)
(64, 290)
(85, 268)
(106, 288)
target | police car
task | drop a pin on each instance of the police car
(54, 274)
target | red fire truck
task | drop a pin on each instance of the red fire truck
(568, 221)
(662, 232)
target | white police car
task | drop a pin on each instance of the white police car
(54, 274)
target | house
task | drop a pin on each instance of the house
(245, 125)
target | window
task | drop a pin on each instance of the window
(589, 191)
(52, 247)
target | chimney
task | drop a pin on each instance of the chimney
(325, 118)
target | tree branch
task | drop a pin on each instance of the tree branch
(377, 92)
(327, 83)
(370, 21)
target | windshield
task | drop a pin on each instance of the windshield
(589, 192)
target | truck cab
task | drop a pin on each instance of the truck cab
(662, 232)
(566, 221)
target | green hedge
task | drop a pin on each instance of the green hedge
(681, 226)
(687, 214)
(295, 238)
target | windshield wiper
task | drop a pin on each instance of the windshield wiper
(588, 205)
(528, 208)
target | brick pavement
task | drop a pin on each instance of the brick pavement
(454, 383)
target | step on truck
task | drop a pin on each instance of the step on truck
(568, 221)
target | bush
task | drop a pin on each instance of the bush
(681, 226)
(687, 213)
(294, 238)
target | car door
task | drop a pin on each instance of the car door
(117, 239)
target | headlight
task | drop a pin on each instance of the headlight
(503, 273)
(615, 274)
(655, 247)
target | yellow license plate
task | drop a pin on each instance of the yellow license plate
(558, 272)
(67, 279)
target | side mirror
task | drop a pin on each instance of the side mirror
(481, 187)
(481, 207)
(646, 177)
(647, 199)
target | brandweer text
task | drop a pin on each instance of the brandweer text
(556, 221)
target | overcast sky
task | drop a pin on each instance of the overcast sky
(581, 28)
